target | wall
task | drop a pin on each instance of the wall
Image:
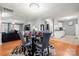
(77, 29)
(38, 22)
(70, 29)
(35, 23)
(50, 22)
(0, 30)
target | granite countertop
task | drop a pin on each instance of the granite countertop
(69, 40)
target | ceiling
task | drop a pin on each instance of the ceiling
(46, 10)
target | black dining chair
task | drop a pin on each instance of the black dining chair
(45, 43)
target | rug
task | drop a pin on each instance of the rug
(18, 51)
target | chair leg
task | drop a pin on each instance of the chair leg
(48, 50)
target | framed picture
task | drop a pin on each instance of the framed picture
(27, 27)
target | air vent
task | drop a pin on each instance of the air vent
(6, 9)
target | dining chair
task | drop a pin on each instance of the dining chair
(25, 44)
(45, 43)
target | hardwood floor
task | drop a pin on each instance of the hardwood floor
(64, 48)
(7, 47)
(60, 47)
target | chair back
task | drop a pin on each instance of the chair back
(46, 37)
(21, 37)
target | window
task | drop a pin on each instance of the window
(7, 27)
(4, 27)
(17, 27)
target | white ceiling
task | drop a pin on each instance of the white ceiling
(48, 10)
